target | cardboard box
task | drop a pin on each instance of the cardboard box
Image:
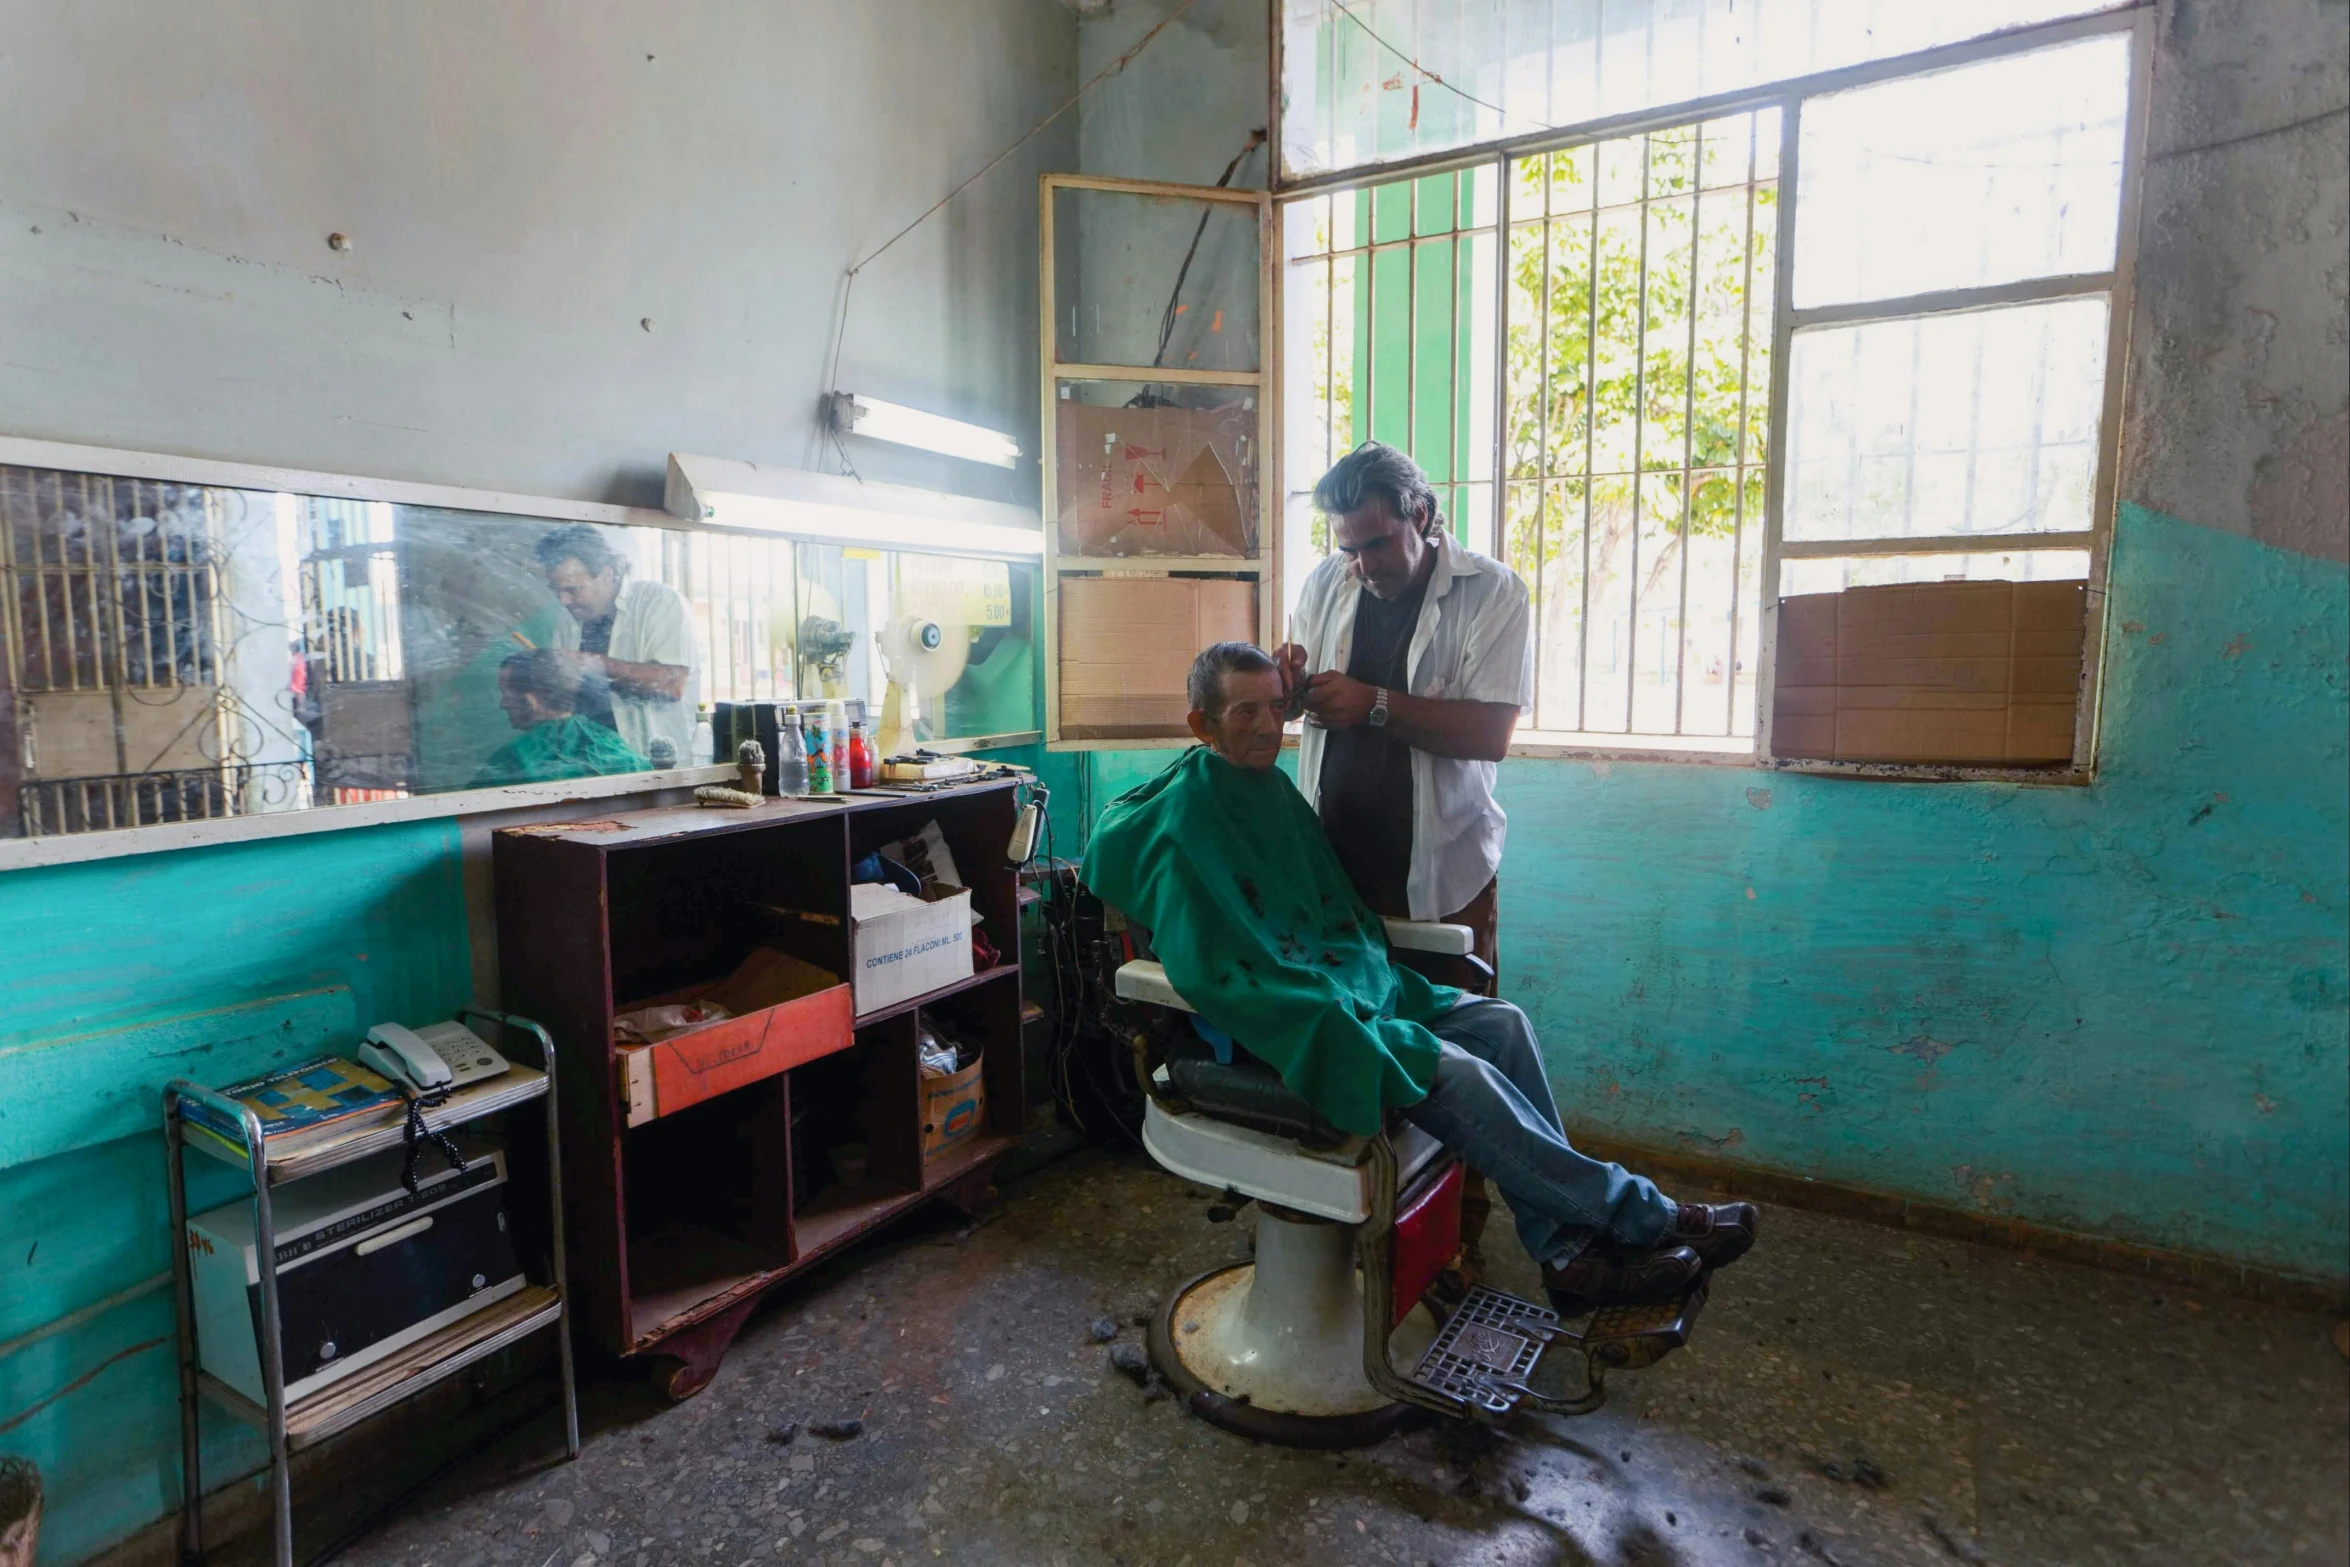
(905, 945)
(953, 1110)
(1157, 481)
(785, 1013)
(1971, 673)
(1127, 644)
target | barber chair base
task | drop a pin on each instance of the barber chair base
(1274, 1349)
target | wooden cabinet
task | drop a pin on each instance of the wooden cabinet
(681, 1222)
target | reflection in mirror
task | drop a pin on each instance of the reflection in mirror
(179, 652)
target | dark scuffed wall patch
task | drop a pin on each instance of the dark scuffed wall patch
(1925, 1047)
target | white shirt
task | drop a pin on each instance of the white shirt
(1473, 643)
(651, 624)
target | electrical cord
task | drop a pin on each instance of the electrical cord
(417, 1133)
(1089, 1083)
(1256, 139)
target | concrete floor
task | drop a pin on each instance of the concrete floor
(2020, 1411)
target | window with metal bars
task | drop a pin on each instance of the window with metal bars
(1632, 400)
(1711, 387)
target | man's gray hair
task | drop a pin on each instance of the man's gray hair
(583, 542)
(1375, 469)
(1205, 687)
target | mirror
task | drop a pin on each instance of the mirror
(177, 652)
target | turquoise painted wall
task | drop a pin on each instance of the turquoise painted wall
(357, 925)
(2117, 1009)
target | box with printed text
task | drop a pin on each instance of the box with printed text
(906, 945)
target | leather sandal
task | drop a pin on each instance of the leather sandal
(1720, 1233)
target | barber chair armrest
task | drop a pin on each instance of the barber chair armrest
(1145, 981)
(1433, 936)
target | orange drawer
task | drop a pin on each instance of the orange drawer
(685, 1069)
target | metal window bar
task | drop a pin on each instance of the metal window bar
(50, 807)
(746, 601)
(1639, 441)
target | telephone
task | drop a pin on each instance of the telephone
(439, 1055)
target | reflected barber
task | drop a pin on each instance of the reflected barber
(633, 640)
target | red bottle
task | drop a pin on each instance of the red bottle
(861, 761)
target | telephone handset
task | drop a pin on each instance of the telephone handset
(439, 1055)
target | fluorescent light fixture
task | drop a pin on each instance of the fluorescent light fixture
(824, 508)
(853, 413)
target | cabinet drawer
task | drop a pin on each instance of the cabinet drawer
(663, 1078)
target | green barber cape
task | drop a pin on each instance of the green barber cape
(1262, 933)
(573, 747)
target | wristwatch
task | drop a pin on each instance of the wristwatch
(1378, 718)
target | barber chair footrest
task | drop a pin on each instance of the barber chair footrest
(1490, 1340)
(1630, 1338)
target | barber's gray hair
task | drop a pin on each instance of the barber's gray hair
(1205, 687)
(1374, 469)
(583, 542)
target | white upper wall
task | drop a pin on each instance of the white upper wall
(524, 184)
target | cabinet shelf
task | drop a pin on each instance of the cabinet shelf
(833, 1221)
(931, 998)
(690, 1272)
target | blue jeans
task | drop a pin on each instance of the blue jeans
(1491, 1104)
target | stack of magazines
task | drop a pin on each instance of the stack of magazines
(334, 1101)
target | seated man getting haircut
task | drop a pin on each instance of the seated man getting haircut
(539, 690)
(1224, 863)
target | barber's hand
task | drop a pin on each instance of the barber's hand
(1290, 659)
(1337, 701)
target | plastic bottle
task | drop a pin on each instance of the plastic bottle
(791, 762)
(836, 743)
(861, 765)
(820, 780)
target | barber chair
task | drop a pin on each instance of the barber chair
(1308, 1345)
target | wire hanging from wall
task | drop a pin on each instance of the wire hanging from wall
(848, 290)
(1256, 139)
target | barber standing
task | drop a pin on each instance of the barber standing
(631, 639)
(1420, 662)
